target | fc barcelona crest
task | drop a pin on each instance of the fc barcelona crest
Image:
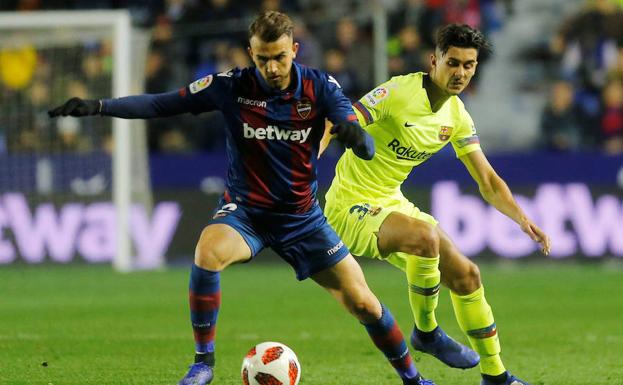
(444, 133)
(304, 107)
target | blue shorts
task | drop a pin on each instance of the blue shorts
(306, 241)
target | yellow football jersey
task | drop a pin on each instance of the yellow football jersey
(406, 132)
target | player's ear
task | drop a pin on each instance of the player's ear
(295, 49)
(250, 51)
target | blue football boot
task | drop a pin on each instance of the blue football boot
(200, 373)
(446, 350)
(510, 380)
(417, 381)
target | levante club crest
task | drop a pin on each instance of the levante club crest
(444, 133)
(304, 107)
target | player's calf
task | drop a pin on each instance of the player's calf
(462, 281)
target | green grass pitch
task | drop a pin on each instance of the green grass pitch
(560, 324)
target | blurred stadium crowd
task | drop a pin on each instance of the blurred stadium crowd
(585, 58)
(191, 38)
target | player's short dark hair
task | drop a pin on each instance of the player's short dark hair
(271, 25)
(462, 36)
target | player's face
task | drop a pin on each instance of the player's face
(274, 59)
(453, 70)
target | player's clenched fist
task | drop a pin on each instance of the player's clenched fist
(349, 133)
(77, 107)
(354, 137)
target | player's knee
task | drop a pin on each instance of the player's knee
(207, 256)
(468, 281)
(425, 242)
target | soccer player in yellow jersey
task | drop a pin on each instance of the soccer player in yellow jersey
(411, 118)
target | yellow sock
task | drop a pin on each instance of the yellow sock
(476, 320)
(423, 277)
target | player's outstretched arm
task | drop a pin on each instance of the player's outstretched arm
(130, 107)
(354, 137)
(497, 193)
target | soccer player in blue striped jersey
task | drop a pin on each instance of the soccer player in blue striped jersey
(275, 115)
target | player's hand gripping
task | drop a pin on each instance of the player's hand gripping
(349, 133)
(77, 107)
(353, 136)
(536, 234)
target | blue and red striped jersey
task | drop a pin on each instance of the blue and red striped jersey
(272, 136)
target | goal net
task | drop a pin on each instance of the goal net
(69, 187)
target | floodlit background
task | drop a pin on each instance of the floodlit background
(548, 107)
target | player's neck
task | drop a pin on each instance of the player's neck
(436, 96)
(287, 83)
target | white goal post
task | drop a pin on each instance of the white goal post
(122, 164)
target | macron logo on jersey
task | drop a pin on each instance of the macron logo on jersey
(251, 102)
(276, 133)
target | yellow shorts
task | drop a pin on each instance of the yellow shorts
(358, 223)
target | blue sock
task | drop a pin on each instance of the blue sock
(205, 300)
(389, 339)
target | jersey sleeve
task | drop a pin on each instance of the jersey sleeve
(209, 92)
(375, 105)
(465, 140)
(337, 105)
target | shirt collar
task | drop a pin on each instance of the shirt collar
(294, 91)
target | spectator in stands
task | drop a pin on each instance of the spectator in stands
(560, 119)
(174, 141)
(612, 118)
(290, 6)
(156, 72)
(616, 69)
(238, 57)
(407, 12)
(463, 12)
(406, 52)
(350, 39)
(432, 17)
(310, 49)
(35, 116)
(213, 11)
(335, 64)
(95, 75)
(586, 43)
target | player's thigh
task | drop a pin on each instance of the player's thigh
(219, 246)
(346, 282)
(357, 224)
(458, 273)
(410, 231)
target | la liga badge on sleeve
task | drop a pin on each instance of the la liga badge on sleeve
(200, 84)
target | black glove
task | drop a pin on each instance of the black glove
(349, 133)
(77, 107)
(354, 137)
